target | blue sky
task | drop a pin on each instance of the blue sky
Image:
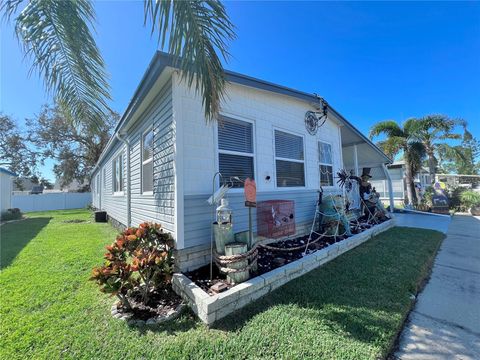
(371, 60)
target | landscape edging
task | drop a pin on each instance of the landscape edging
(212, 308)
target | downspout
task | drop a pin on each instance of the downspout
(390, 187)
(129, 213)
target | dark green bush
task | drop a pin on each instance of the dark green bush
(11, 214)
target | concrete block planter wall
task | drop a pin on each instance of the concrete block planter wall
(212, 308)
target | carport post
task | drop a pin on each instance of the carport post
(390, 187)
(355, 159)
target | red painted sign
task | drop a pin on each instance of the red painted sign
(250, 189)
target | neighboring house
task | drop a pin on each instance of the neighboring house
(74, 186)
(6, 189)
(23, 185)
(160, 164)
(459, 180)
(397, 174)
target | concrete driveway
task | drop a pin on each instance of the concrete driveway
(423, 221)
(445, 323)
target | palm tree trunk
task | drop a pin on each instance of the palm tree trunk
(409, 181)
(432, 165)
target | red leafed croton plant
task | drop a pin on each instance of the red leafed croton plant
(140, 261)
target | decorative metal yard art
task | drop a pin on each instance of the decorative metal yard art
(216, 198)
(313, 118)
(338, 210)
(235, 259)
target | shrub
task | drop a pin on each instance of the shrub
(11, 214)
(455, 198)
(427, 196)
(470, 199)
(139, 261)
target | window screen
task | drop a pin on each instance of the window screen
(235, 148)
(325, 163)
(289, 159)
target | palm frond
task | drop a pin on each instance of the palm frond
(193, 32)
(8, 8)
(57, 36)
(392, 145)
(389, 128)
(450, 153)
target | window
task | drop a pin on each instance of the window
(325, 163)
(235, 150)
(289, 159)
(117, 174)
(97, 184)
(104, 178)
(147, 162)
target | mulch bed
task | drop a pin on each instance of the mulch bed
(161, 303)
(268, 259)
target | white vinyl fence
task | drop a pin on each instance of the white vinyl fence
(52, 201)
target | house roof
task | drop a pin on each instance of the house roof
(162, 60)
(8, 172)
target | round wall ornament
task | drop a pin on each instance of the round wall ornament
(311, 122)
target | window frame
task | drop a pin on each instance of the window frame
(143, 162)
(114, 174)
(219, 151)
(275, 158)
(325, 164)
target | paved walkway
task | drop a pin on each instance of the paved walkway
(445, 323)
(423, 221)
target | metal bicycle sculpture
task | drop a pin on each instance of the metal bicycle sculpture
(313, 118)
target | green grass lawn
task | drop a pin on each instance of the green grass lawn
(351, 308)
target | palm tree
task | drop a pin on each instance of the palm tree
(432, 131)
(401, 139)
(57, 35)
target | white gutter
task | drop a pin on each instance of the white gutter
(129, 213)
(390, 187)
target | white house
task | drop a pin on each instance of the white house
(6, 188)
(160, 163)
(399, 185)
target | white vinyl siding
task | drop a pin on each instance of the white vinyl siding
(325, 162)
(289, 160)
(235, 150)
(117, 175)
(147, 162)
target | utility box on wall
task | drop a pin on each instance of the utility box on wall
(276, 218)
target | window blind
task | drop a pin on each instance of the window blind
(235, 135)
(288, 146)
(235, 147)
